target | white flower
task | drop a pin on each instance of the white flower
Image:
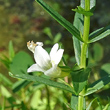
(46, 63)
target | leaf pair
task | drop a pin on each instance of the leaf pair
(79, 78)
(99, 34)
(82, 11)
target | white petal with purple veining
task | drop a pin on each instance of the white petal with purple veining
(35, 67)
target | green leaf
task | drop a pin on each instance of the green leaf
(88, 108)
(57, 37)
(48, 42)
(47, 31)
(106, 107)
(19, 85)
(11, 51)
(105, 70)
(82, 11)
(79, 79)
(74, 102)
(5, 92)
(36, 98)
(92, 4)
(68, 105)
(99, 34)
(99, 104)
(78, 23)
(21, 63)
(11, 101)
(60, 19)
(43, 81)
(5, 80)
(98, 85)
(98, 52)
(5, 60)
(23, 106)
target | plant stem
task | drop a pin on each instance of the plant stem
(80, 100)
(84, 50)
(48, 98)
(85, 35)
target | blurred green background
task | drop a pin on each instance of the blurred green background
(24, 20)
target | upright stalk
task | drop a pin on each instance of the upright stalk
(84, 50)
(85, 35)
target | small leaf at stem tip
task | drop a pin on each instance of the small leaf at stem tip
(83, 11)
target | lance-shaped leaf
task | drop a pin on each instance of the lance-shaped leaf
(42, 80)
(98, 85)
(74, 102)
(107, 107)
(99, 34)
(88, 108)
(60, 19)
(19, 85)
(78, 23)
(92, 3)
(5, 80)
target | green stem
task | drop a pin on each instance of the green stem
(80, 100)
(3, 106)
(48, 98)
(85, 35)
(84, 50)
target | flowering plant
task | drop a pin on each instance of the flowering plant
(49, 64)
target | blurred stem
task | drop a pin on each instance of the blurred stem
(84, 51)
(23, 94)
(3, 106)
(48, 99)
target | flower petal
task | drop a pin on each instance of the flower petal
(59, 55)
(42, 58)
(53, 72)
(35, 67)
(39, 43)
(53, 51)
